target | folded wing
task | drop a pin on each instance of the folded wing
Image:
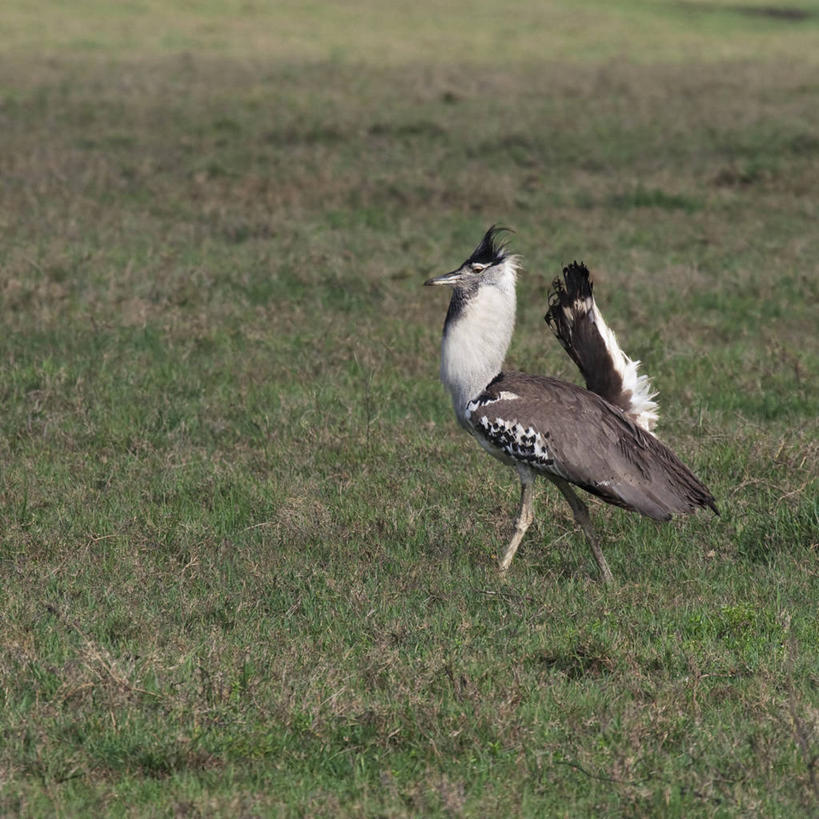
(562, 430)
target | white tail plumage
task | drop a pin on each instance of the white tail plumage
(576, 321)
(642, 408)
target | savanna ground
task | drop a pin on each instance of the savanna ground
(247, 555)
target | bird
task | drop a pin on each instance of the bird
(599, 438)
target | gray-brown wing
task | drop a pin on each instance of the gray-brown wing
(560, 429)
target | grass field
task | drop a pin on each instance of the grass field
(246, 553)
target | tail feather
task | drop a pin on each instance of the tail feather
(575, 320)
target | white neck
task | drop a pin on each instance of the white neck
(476, 341)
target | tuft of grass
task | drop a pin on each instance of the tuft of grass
(642, 197)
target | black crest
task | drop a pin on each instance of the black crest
(490, 250)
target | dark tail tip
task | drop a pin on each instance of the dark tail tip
(578, 280)
(576, 284)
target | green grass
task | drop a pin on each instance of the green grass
(246, 553)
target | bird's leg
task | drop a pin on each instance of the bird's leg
(581, 515)
(525, 517)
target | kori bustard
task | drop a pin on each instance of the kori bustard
(599, 438)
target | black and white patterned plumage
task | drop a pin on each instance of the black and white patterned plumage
(500, 432)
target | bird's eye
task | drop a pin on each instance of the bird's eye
(477, 266)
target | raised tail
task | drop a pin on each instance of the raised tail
(574, 318)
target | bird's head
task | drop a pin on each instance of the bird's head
(489, 263)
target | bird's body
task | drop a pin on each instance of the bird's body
(573, 434)
(599, 439)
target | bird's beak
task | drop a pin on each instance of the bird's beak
(452, 278)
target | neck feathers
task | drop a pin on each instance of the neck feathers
(477, 334)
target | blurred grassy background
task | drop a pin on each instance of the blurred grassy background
(474, 32)
(246, 552)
